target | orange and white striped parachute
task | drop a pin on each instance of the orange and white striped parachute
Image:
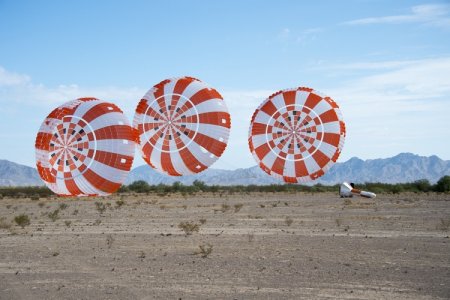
(85, 147)
(296, 135)
(183, 126)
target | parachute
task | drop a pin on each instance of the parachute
(183, 126)
(296, 135)
(347, 190)
(85, 147)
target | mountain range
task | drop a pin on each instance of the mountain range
(404, 167)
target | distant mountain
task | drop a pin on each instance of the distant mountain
(12, 174)
(404, 167)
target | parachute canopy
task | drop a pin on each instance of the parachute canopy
(296, 135)
(85, 147)
(183, 126)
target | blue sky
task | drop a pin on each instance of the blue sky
(387, 64)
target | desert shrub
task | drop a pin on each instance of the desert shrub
(123, 189)
(204, 250)
(54, 215)
(139, 186)
(422, 185)
(288, 221)
(26, 191)
(22, 220)
(443, 185)
(119, 203)
(177, 187)
(200, 185)
(101, 207)
(63, 206)
(189, 227)
(237, 207)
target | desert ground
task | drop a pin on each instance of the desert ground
(222, 246)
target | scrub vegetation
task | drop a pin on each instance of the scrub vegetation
(162, 190)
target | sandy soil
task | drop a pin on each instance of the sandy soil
(264, 246)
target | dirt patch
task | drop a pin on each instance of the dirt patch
(257, 246)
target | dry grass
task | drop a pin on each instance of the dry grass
(101, 207)
(204, 250)
(237, 207)
(189, 227)
(54, 215)
(119, 203)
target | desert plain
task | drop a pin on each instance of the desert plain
(226, 246)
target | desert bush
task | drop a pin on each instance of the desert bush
(200, 185)
(54, 215)
(443, 185)
(119, 203)
(139, 186)
(422, 185)
(189, 227)
(204, 250)
(123, 189)
(237, 207)
(22, 220)
(101, 207)
(288, 221)
(63, 206)
(26, 191)
(68, 223)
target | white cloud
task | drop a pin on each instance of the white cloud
(429, 14)
(288, 36)
(403, 107)
(20, 89)
(9, 78)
